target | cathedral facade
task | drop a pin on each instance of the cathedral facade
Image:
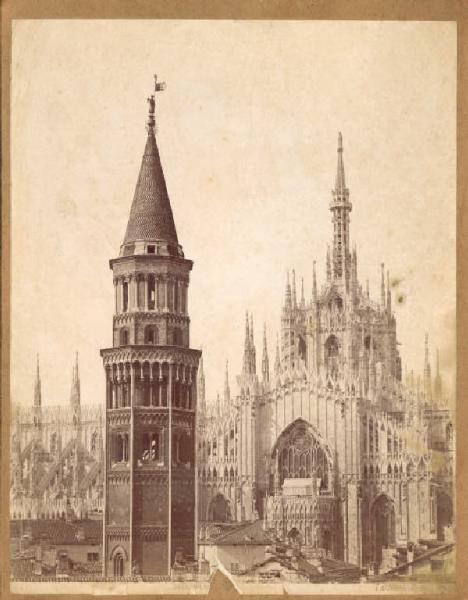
(333, 446)
(56, 458)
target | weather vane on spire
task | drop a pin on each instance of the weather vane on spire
(159, 86)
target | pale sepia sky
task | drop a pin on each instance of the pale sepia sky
(247, 133)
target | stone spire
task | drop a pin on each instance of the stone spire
(37, 386)
(252, 347)
(314, 283)
(227, 391)
(151, 218)
(246, 363)
(437, 380)
(265, 361)
(287, 295)
(340, 185)
(302, 293)
(75, 387)
(249, 364)
(340, 206)
(389, 296)
(382, 286)
(294, 297)
(427, 371)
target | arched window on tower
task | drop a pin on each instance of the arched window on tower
(125, 296)
(124, 336)
(176, 296)
(151, 334)
(151, 292)
(177, 336)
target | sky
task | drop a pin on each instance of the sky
(247, 132)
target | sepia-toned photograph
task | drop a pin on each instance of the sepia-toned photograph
(233, 301)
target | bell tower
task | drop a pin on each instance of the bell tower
(151, 374)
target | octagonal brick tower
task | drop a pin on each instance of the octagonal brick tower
(151, 373)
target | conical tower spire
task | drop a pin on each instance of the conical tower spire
(151, 218)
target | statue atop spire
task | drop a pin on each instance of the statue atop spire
(158, 87)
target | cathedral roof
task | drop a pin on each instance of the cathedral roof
(151, 216)
(245, 535)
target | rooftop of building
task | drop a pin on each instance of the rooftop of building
(58, 532)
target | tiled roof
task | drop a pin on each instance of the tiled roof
(245, 535)
(59, 532)
(151, 214)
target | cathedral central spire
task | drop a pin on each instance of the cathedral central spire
(340, 184)
(340, 206)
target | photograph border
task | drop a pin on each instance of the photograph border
(365, 10)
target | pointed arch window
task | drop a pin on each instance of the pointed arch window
(118, 563)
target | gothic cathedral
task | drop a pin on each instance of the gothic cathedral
(334, 448)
